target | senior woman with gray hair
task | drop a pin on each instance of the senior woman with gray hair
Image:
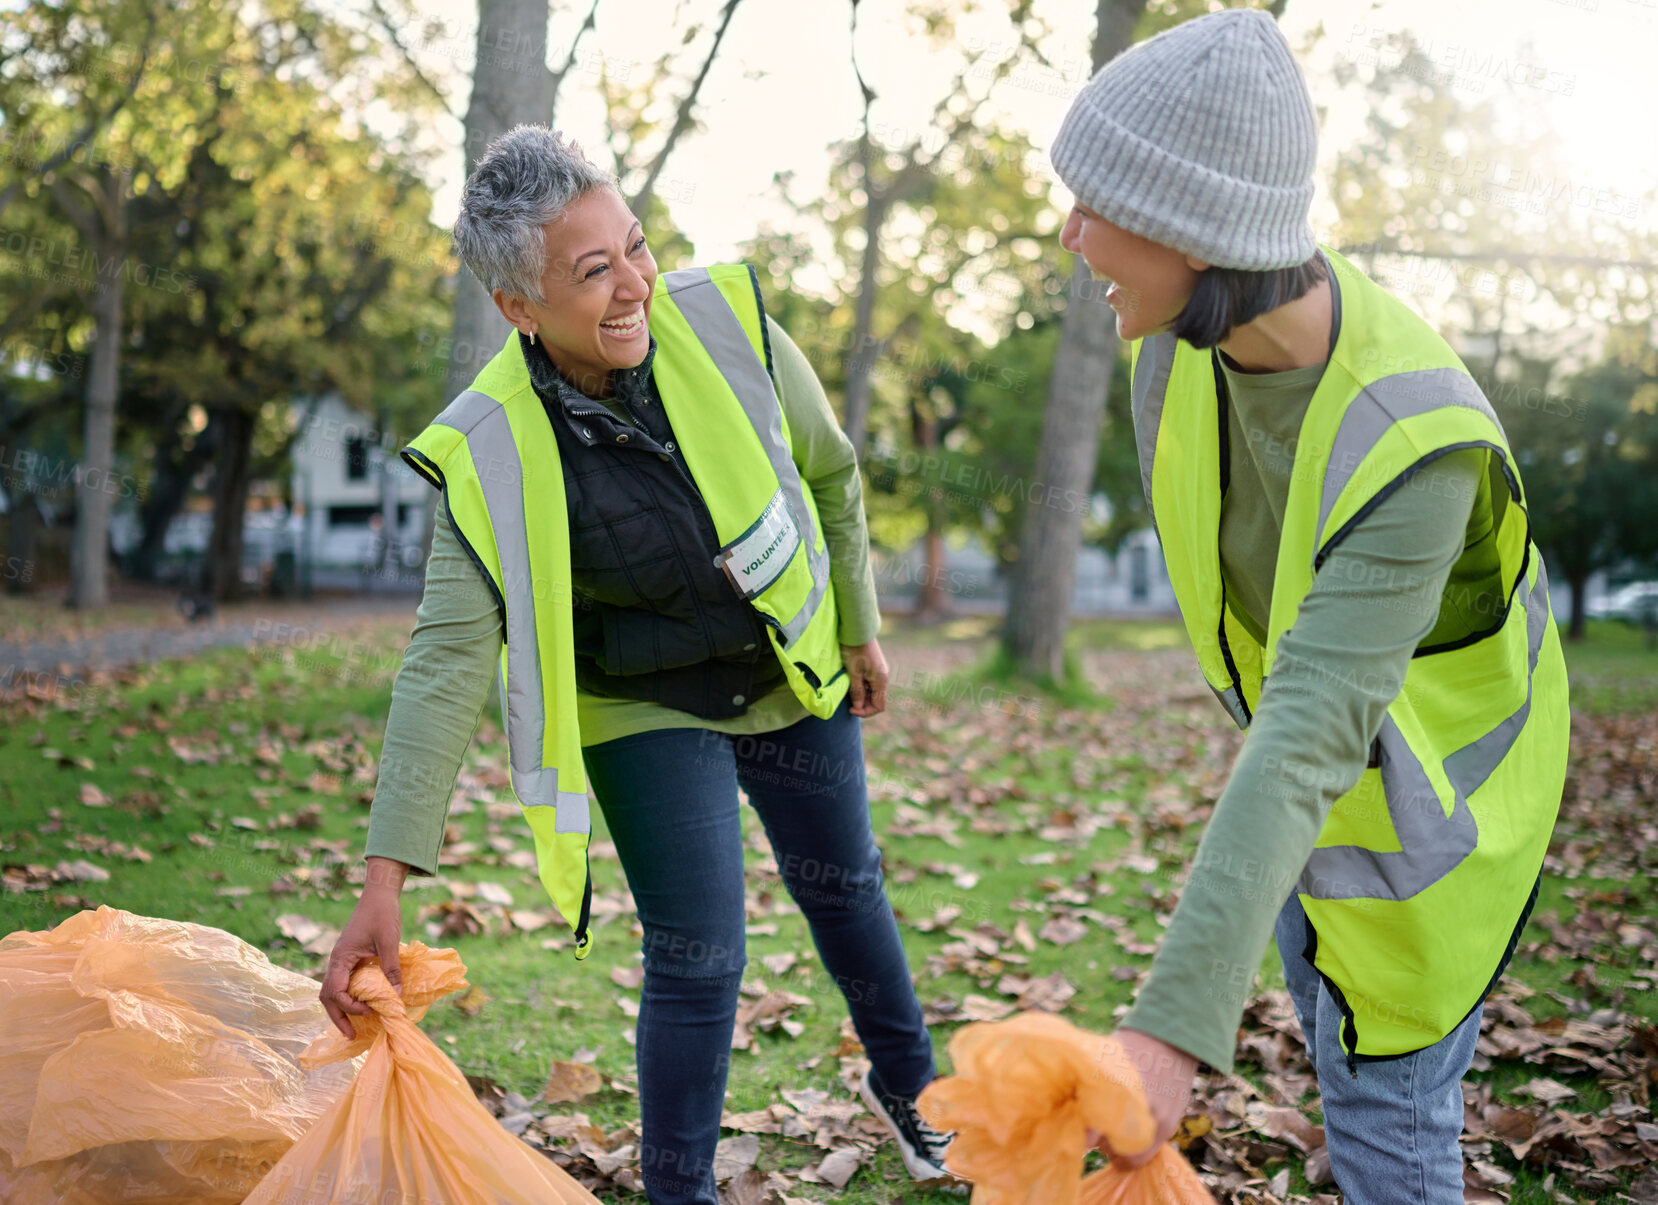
(652, 524)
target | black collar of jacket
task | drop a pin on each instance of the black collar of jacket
(628, 384)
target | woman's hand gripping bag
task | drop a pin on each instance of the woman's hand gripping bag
(1025, 1093)
(409, 1128)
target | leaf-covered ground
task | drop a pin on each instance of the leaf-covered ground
(1033, 853)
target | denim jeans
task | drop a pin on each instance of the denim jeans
(1391, 1127)
(669, 798)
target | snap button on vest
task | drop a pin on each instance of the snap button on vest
(669, 445)
(736, 700)
(749, 647)
(587, 432)
(622, 438)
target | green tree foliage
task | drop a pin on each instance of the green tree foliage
(270, 246)
(1466, 210)
(965, 248)
(1589, 457)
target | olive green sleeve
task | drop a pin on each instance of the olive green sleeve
(828, 464)
(436, 701)
(1337, 669)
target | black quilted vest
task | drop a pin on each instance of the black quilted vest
(654, 619)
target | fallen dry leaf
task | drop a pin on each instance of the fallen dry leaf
(81, 871)
(1063, 930)
(92, 797)
(527, 920)
(839, 1166)
(735, 1155)
(570, 1082)
(1547, 1090)
(472, 1001)
(767, 1014)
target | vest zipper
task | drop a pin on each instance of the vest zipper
(1350, 1026)
(582, 937)
(631, 421)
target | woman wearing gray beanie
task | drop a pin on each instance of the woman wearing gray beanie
(1345, 530)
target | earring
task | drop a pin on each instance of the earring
(532, 338)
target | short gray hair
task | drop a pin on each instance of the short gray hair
(526, 178)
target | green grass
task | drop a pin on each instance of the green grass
(1045, 761)
(1614, 668)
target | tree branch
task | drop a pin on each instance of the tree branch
(81, 217)
(392, 35)
(570, 59)
(93, 124)
(682, 120)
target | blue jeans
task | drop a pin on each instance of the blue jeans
(1391, 1125)
(669, 798)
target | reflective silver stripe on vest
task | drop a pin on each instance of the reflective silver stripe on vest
(1381, 404)
(721, 333)
(1431, 844)
(1149, 387)
(1233, 702)
(1471, 765)
(483, 421)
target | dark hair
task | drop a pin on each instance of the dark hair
(1229, 297)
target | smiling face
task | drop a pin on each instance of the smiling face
(597, 292)
(1150, 283)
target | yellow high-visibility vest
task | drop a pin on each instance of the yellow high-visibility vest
(1425, 870)
(493, 454)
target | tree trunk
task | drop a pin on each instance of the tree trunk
(174, 472)
(479, 333)
(230, 500)
(510, 86)
(932, 600)
(20, 547)
(388, 558)
(1044, 578)
(860, 357)
(89, 561)
(1579, 583)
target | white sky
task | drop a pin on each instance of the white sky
(782, 88)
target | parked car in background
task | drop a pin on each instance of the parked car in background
(1635, 603)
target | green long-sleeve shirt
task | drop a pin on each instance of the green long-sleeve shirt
(450, 662)
(1336, 670)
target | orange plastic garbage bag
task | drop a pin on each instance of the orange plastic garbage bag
(150, 1061)
(1024, 1094)
(410, 1129)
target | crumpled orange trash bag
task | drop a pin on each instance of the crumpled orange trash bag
(1025, 1092)
(410, 1128)
(150, 1061)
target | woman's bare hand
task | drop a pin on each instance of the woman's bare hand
(374, 931)
(1166, 1073)
(866, 666)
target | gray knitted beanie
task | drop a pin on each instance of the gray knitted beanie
(1203, 139)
